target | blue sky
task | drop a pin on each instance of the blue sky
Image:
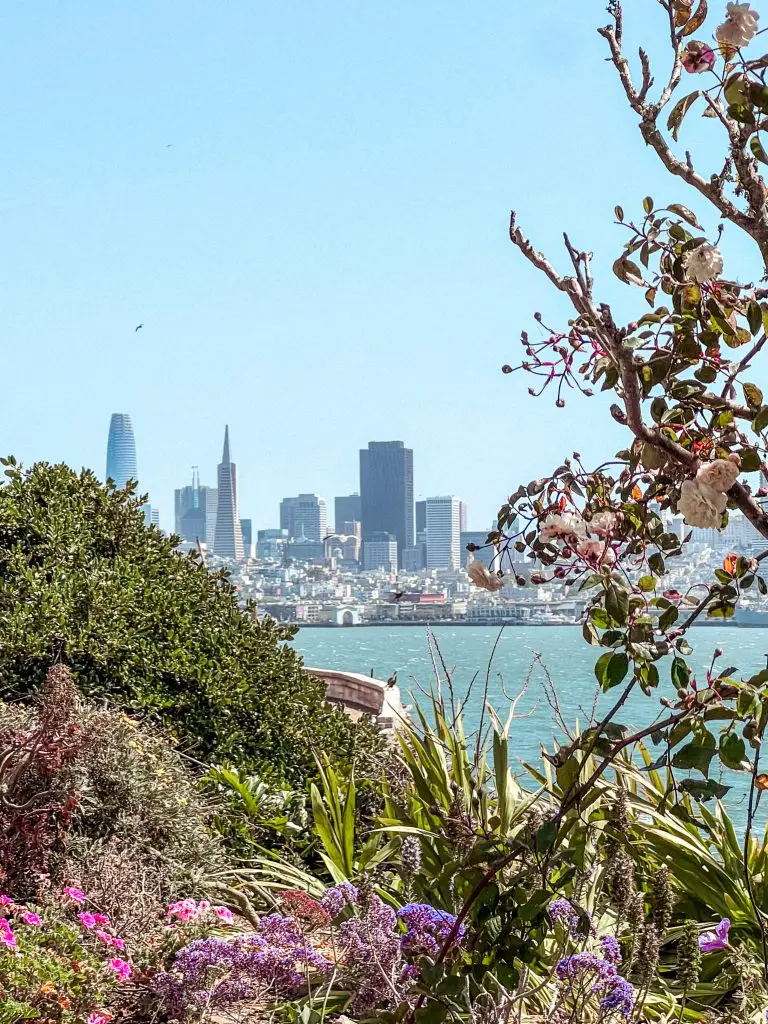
(306, 206)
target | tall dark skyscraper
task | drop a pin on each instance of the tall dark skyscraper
(121, 450)
(386, 491)
(421, 517)
(228, 542)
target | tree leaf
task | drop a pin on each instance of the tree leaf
(752, 394)
(696, 20)
(685, 213)
(757, 149)
(700, 790)
(760, 422)
(617, 603)
(697, 754)
(679, 111)
(733, 752)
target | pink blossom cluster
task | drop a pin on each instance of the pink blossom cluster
(90, 921)
(186, 911)
(121, 968)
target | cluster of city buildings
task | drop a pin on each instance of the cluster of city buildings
(385, 558)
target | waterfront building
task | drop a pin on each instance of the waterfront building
(304, 516)
(463, 516)
(121, 450)
(380, 552)
(270, 544)
(228, 540)
(386, 492)
(346, 509)
(443, 532)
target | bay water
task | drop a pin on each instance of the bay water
(526, 653)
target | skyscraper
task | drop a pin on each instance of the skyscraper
(228, 542)
(195, 511)
(246, 529)
(346, 509)
(304, 516)
(121, 450)
(386, 491)
(443, 529)
(421, 517)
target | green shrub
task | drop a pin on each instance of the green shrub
(84, 581)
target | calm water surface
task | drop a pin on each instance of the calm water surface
(466, 650)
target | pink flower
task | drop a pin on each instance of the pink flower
(99, 1018)
(717, 939)
(74, 894)
(6, 935)
(105, 937)
(121, 968)
(224, 914)
(29, 918)
(698, 58)
(118, 943)
(5, 900)
(101, 919)
(87, 920)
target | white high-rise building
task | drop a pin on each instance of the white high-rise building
(443, 515)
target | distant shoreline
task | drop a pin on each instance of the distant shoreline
(459, 622)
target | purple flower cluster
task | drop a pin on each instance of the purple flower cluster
(611, 949)
(563, 910)
(339, 897)
(587, 974)
(213, 971)
(426, 928)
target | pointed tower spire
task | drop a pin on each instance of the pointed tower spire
(228, 539)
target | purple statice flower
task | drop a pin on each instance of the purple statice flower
(218, 972)
(611, 949)
(563, 910)
(427, 928)
(620, 997)
(340, 896)
(592, 975)
(716, 939)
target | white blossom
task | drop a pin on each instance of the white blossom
(720, 475)
(482, 577)
(603, 524)
(703, 263)
(557, 527)
(700, 505)
(739, 27)
(596, 552)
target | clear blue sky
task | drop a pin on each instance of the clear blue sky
(306, 205)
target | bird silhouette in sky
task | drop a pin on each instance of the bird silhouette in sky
(138, 328)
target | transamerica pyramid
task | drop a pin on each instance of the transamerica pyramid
(228, 541)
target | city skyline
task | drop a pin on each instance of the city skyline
(385, 295)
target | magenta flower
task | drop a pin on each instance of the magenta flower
(224, 914)
(29, 918)
(118, 943)
(698, 58)
(717, 939)
(99, 1018)
(121, 968)
(101, 919)
(5, 900)
(74, 894)
(87, 920)
(105, 937)
(6, 935)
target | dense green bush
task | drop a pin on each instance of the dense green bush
(84, 581)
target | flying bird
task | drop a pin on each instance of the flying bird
(398, 596)
(138, 328)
